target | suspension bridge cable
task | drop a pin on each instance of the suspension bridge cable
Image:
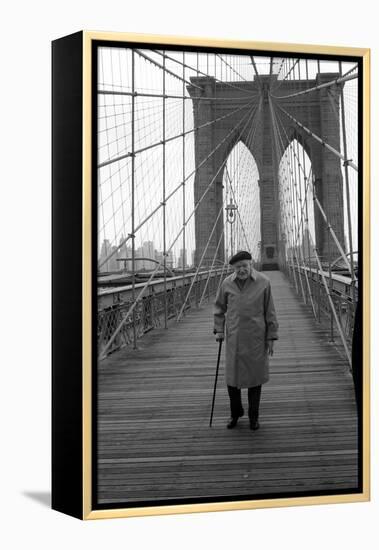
(205, 74)
(295, 195)
(281, 65)
(300, 227)
(132, 307)
(143, 168)
(212, 265)
(175, 75)
(254, 65)
(333, 82)
(132, 235)
(214, 177)
(124, 241)
(323, 214)
(238, 212)
(306, 183)
(228, 65)
(104, 181)
(200, 262)
(184, 171)
(171, 96)
(332, 306)
(271, 65)
(344, 141)
(294, 203)
(250, 141)
(164, 141)
(320, 140)
(280, 82)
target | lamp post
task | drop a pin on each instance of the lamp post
(231, 210)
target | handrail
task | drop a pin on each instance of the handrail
(103, 292)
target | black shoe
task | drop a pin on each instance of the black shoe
(233, 420)
(254, 425)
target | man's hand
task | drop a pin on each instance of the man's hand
(270, 347)
(219, 336)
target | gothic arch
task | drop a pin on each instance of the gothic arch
(249, 207)
(314, 109)
(303, 186)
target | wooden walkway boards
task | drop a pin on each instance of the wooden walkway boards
(154, 440)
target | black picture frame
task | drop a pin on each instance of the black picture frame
(74, 292)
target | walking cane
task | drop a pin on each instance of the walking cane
(214, 389)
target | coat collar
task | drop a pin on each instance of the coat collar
(253, 275)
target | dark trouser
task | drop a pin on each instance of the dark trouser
(254, 397)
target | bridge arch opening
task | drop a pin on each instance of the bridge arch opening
(242, 225)
(296, 204)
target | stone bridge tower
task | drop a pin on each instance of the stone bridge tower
(318, 111)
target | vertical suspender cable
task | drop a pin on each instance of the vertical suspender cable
(328, 243)
(211, 269)
(184, 169)
(306, 197)
(133, 202)
(301, 223)
(296, 185)
(301, 227)
(296, 213)
(299, 197)
(164, 189)
(346, 168)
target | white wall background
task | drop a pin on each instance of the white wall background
(27, 29)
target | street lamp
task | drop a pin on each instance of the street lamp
(231, 216)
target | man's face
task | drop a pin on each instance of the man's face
(242, 269)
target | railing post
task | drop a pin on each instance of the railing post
(153, 308)
(331, 296)
(318, 292)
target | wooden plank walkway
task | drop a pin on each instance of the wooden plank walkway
(154, 440)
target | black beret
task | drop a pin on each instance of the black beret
(241, 255)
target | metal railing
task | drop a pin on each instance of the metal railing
(114, 306)
(333, 303)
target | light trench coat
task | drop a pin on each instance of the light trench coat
(247, 318)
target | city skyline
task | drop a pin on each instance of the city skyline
(145, 251)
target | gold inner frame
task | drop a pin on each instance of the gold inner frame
(88, 513)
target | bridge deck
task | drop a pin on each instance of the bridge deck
(154, 440)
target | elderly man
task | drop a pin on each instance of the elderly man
(245, 308)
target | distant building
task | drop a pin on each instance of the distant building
(114, 265)
(182, 258)
(124, 251)
(139, 264)
(170, 259)
(159, 256)
(105, 251)
(148, 251)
